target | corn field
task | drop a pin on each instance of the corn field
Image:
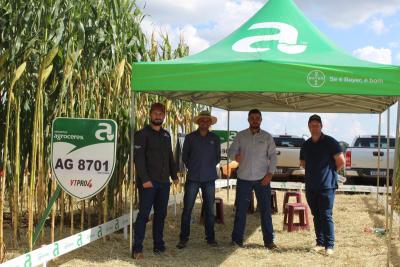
(69, 58)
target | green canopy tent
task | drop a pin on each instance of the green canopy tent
(276, 61)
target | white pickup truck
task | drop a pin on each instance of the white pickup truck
(362, 157)
(288, 153)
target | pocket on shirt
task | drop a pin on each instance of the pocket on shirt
(262, 147)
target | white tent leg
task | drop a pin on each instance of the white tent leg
(395, 167)
(387, 168)
(379, 160)
(131, 163)
(227, 159)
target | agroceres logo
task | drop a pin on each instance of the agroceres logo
(286, 36)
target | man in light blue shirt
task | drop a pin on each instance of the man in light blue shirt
(255, 151)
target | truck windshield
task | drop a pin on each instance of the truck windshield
(372, 142)
(288, 142)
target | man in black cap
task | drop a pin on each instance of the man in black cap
(155, 164)
(322, 158)
(201, 153)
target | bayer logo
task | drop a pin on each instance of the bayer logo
(316, 78)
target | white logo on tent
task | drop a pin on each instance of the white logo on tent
(286, 37)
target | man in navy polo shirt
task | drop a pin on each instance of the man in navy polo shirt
(322, 158)
(201, 153)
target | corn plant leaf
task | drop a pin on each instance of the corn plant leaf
(120, 69)
(19, 71)
(49, 57)
(46, 73)
(4, 58)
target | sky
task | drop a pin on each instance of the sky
(367, 29)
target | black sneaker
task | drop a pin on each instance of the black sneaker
(212, 243)
(271, 246)
(182, 244)
(237, 244)
(158, 250)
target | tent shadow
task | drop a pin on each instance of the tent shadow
(198, 253)
(280, 249)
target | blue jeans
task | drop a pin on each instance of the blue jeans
(321, 205)
(156, 197)
(243, 195)
(208, 193)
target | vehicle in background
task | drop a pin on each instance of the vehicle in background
(288, 153)
(362, 158)
(343, 146)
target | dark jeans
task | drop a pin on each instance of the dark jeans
(156, 197)
(243, 195)
(208, 193)
(321, 205)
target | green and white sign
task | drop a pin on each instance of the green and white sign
(223, 137)
(83, 154)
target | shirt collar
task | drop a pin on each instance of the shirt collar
(151, 129)
(198, 133)
(322, 137)
(250, 132)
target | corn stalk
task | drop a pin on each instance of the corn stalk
(79, 55)
(17, 74)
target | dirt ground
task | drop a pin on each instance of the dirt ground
(354, 247)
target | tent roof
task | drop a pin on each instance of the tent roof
(276, 61)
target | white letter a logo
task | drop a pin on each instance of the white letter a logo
(286, 37)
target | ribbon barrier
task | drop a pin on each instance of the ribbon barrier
(63, 246)
(301, 186)
(342, 187)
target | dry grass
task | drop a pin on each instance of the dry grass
(354, 247)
